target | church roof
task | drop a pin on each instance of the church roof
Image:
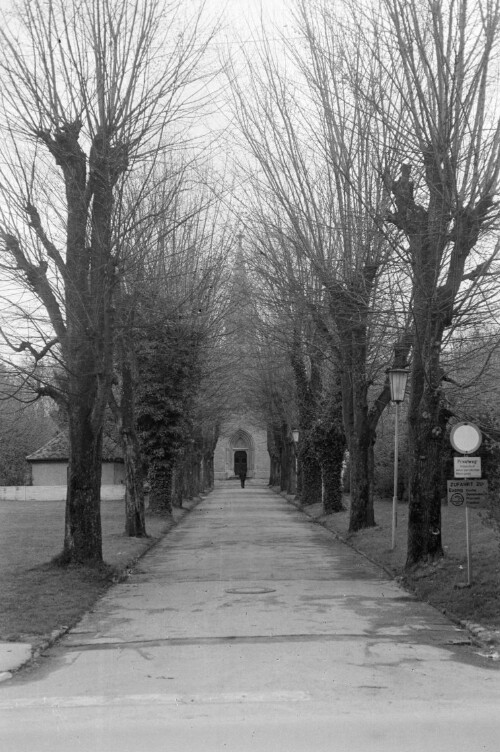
(57, 450)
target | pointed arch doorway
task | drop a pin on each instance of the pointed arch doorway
(240, 462)
(241, 454)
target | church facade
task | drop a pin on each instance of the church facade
(242, 445)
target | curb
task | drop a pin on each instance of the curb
(485, 638)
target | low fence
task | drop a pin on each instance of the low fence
(54, 493)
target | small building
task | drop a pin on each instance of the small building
(242, 445)
(49, 464)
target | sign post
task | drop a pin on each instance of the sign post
(468, 545)
(466, 438)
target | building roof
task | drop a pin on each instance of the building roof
(57, 450)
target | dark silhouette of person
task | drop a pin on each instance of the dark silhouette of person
(243, 475)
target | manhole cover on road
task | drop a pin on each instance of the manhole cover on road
(250, 590)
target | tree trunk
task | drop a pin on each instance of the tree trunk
(308, 385)
(332, 459)
(358, 434)
(424, 514)
(208, 471)
(331, 444)
(178, 483)
(332, 484)
(284, 469)
(135, 522)
(273, 442)
(352, 326)
(425, 435)
(194, 486)
(371, 470)
(362, 514)
(83, 533)
(160, 496)
(311, 491)
(274, 473)
(289, 454)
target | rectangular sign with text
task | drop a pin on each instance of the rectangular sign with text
(474, 493)
(467, 467)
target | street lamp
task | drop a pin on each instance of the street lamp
(397, 381)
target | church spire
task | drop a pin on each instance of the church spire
(240, 293)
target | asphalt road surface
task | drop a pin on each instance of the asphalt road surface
(250, 628)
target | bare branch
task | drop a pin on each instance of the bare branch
(52, 252)
(36, 277)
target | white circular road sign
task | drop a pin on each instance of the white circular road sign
(466, 438)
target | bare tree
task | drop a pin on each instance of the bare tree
(442, 62)
(173, 299)
(318, 175)
(89, 91)
(145, 215)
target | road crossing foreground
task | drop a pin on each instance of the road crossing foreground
(250, 628)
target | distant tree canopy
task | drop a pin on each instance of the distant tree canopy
(23, 430)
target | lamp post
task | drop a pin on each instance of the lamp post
(397, 381)
(295, 435)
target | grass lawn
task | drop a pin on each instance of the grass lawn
(37, 597)
(441, 583)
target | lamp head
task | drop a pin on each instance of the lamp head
(397, 381)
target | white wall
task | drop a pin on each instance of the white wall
(54, 493)
(56, 473)
(113, 473)
(49, 473)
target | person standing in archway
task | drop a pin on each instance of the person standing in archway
(243, 475)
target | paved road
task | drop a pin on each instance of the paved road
(250, 628)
